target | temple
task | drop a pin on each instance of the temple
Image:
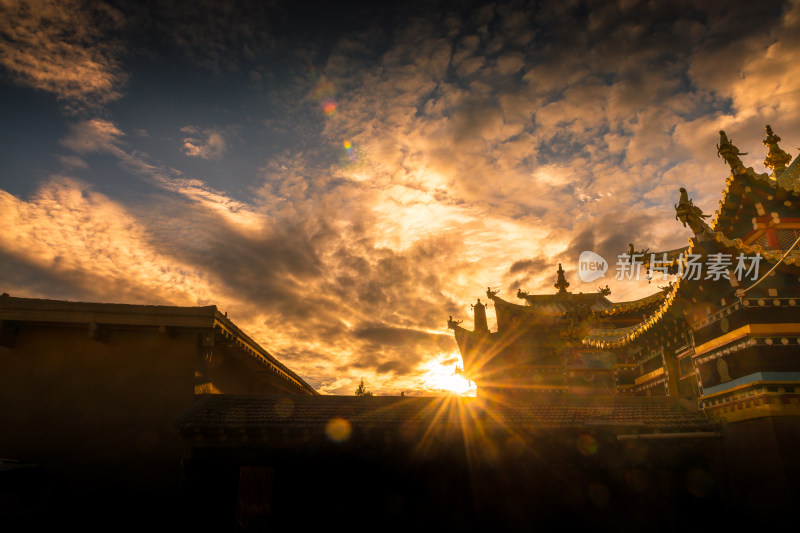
(680, 409)
(722, 333)
(722, 330)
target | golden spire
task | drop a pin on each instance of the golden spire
(562, 282)
(776, 159)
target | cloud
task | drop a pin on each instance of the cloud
(91, 243)
(217, 36)
(206, 143)
(62, 47)
(92, 136)
(490, 147)
(71, 161)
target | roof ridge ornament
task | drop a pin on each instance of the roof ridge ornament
(632, 251)
(562, 282)
(776, 159)
(730, 153)
(688, 213)
(452, 324)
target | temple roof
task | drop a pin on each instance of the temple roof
(756, 187)
(772, 255)
(790, 178)
(616, 337)
(383, 416)
(60, 312)
(558, 304)
(618, 308)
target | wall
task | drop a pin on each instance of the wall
(89, 409)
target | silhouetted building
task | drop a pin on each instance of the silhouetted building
(675, 411)
(725, 335)
(589, 413)
(90, 393)
(403, 462)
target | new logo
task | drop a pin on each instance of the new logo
(591, 267)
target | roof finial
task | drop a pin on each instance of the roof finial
(730, 153)
(562, 282)
(688, 213)
(480, 317)
(776, 159)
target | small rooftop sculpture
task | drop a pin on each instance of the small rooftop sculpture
(688, 213)
(562, 282)
(730, 153)
(776, 159)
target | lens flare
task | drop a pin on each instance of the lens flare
(442, 376)
(329, 107)
(351, 154)
(338, 430)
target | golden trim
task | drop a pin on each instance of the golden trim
(752, 385)
(749, 329)
(757, 233)
(738, 411)
(650, 375)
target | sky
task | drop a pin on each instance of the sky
(340, 180)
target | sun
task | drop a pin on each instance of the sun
(441, 376)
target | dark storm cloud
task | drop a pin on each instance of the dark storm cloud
(525, 274)
(400, 367)
(610, 236)
(382, 334)
(66, 48)
(528, 265)
(219, 36)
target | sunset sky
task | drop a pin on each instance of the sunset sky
(341, 180)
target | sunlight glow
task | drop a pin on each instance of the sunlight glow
(441, 376)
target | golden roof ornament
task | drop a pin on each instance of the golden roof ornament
(690, 214)
(776, 159)
(730, 153)
(562, 282)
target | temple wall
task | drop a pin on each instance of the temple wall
(93, 408)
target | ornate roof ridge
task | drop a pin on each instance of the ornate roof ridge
(632, 305)
(772, 255)
(597, 338)
(787, 179)
(496, 299)
(790, 178)
(568, 296)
